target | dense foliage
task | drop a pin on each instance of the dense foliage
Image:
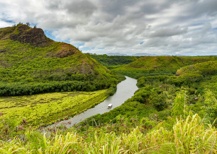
(174, 110)
(162, 99)
(113, 61)
(29, 68)
(19, 113)
(159, 65)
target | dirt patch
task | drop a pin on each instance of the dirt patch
(64, 53)
(66, 50)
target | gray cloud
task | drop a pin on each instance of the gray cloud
(208, 7)
(82, 7)
(166, 32)
(159, 27)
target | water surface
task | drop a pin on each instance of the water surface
(125, 90)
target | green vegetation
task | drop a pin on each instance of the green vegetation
(30, 63)
(22, 112)
(189, 135)
(159, 65)
(113, 61)
(167, 103)
(174, 110)
(162, 117)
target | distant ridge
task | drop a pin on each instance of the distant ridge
(143, 54)
(135, 54)
(116, 54)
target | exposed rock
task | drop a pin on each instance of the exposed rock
(64, 53)
(66, 50)
(33, 36)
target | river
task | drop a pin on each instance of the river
(125, 90)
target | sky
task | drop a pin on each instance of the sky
(155, 27)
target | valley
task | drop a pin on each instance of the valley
(125, 90)
(173, 110)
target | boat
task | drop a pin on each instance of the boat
(109, 106)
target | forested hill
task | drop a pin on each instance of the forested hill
(113, 61)
(160, 65)
(32, 63)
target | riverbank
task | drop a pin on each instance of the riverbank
(125, 90)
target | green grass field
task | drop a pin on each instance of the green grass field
(44, 109)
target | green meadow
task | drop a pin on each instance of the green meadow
(43, 109)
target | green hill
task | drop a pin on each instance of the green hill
(173, 111)
(203, 69)
(32, 63)
(113, 61)
(159, 65)
(195, 73)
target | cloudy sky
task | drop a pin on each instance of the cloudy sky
(159, 27)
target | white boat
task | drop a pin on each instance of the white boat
(109, 106)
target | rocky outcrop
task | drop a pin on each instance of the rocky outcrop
(64, 50)
(33, 36)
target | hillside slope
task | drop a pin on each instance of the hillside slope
(32, 63)
(159, 65)
(113, 61)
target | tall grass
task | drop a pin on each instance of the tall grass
(179, 105)
(188, 135)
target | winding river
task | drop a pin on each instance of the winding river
(125, 90)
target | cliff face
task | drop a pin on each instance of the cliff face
(33, 36)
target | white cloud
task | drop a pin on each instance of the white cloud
(5, 24)
(125, 26)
